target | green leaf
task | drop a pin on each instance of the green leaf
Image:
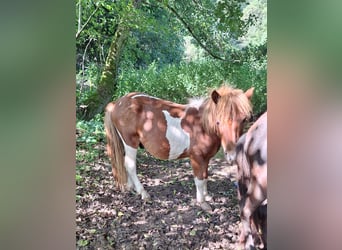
(78, 178)
(193, 232)
(82, 242)
(78, 197)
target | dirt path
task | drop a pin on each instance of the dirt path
(109, 219)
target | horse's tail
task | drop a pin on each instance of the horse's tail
(115, 148)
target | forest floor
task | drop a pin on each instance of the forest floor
(107, 218)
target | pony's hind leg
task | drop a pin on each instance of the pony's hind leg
(246, 238)
(130, 164)
(248, 208)
(130, 183)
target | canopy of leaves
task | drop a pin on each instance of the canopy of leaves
(166, 35)
(155, 35)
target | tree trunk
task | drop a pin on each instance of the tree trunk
(108, 82)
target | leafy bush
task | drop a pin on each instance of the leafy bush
(180, 82)
(89, 134)
(86, 82)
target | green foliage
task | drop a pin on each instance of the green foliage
(89, 134)
(229, 15)
(90, 131)
(155, 59)
(185, 80)
(155, 35)
(178, 82)
(86, 82)
(200, 20)
(158, 40)
(82, 243)
(255, 18)
(94, 40)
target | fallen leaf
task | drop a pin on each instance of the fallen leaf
(82, 243)
(193, 232)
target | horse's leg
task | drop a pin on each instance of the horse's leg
(256, 227)
(245, 221)
(200, 190)
(252, 202)
(207, 197)
(130, 163)
(246, 239)
(130, 183)
(262, 216)
(200, 169)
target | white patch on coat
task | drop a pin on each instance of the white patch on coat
(131, 168)
(179, 140)
(144, 95)
(200, 189)
(195, 102)
(130, 163)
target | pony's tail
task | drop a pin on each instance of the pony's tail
(115, 149)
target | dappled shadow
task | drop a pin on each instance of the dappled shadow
(109, 219)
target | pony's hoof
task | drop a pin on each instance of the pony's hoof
(205, 206)
(240, 247)
(129, 187)
(145, 196)
(249, 243)
(208, 198)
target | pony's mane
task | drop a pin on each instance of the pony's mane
(231, 104)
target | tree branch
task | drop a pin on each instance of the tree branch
(85, 24)
(193, 34)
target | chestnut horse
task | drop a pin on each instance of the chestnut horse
(251, 159)
(169, 130)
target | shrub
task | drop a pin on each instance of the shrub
(180, 82)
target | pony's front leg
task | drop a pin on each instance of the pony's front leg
(207, 197)
(201, 192)
(201, 180)
(133, 181)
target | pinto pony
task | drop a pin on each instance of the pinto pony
(251, 159)
(169, 130)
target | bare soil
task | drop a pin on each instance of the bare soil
(107, 218)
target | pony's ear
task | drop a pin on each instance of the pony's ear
(215, 96)
(249, 93)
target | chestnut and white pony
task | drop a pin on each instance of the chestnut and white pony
(169, 130)
(251, 159)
